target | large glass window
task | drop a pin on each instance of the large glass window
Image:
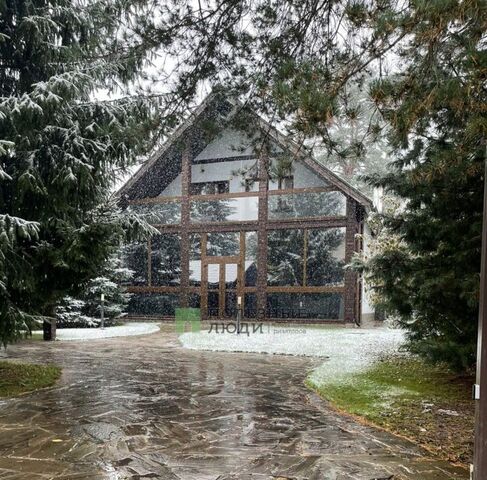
(166, 260)
(285, 257)
(135, 257)
(166, 213)
(297, 257)
(325, 256)
(154, 304)
(225, 210)
(307, 204)
(223, 244)
(320, 306)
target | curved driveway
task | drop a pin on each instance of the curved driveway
(143, 407)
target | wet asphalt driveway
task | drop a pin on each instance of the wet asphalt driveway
(143, 407)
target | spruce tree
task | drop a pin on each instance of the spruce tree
(61, 149)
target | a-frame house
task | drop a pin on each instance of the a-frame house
(246, 218)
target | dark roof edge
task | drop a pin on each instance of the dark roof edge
(172, 139)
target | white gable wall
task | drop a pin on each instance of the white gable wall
(232, 143)
(213, 172)
(229, 143)
(173, 189)
(304, 177)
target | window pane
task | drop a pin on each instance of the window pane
(213, 276)
(166, 213)
(153, 304)
(225, 210)
(135, 258)
(326, 256)
(250, 305)
(250, 259)
(195, 273)
(194, 300)
(285, 250)
(213, 304)
(210, 188)
(322, 306)
(165, 260)
(195, 246)
(297, 205)
(223, 244)
(231, 274)
(282, 183)
(231, 304)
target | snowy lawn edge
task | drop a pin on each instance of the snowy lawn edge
(344, 350)
(126, 330)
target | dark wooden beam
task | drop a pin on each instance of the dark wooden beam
(185, 220)
(350, 314)
(149, 262)
(225, 196)
(250, 226)
(307, 289)
(241, 270)
(204, 278)
(262, 236)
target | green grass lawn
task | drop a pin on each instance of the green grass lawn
(17, 378)
(35, 337)
(428, 404)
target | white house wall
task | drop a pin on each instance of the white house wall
(304, 177)
(173, 189)
(368, 310)
(212, 172)
(229, 143)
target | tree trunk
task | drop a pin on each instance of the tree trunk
(49, 326)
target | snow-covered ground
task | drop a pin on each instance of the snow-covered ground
(348, 350)
(126, 330)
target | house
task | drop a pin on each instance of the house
(246, 218)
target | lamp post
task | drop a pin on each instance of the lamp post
(480, 388)
(102, 297)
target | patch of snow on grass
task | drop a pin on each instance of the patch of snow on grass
(126, 330)
(348, 350)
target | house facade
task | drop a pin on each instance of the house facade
(246, 219)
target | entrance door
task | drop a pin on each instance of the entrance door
(221, 279)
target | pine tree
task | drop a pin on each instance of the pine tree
(61, 150)
(357, 143)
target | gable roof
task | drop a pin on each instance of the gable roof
(167, 160)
